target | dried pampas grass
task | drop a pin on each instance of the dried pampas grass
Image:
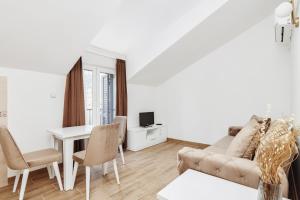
(276, 150)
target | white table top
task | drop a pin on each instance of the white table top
(194, 185)
(71, 132)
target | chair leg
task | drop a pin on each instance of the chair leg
(104, 168)
(24, 182)
(16, 182)
(50, 172)
(57, 174)
(75, 172)
(87, 181)
(116, 171)
(122, 153)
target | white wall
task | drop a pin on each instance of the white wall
(141, 99)
(31, 111)
(96, 60)
(228, 86)
(295, 49)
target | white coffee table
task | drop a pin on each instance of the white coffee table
(194, 185)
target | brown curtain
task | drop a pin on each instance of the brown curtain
(121, 92)
(74, 114)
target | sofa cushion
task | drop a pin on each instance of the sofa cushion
(224, 142)
(264, 126)
(234, 130)
(221, 145)
(241, 142)
(259, 119)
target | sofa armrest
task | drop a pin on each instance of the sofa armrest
(238, 170)
(234, 130)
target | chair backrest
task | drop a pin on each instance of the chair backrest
(103, 145)
(122, 120)
(13, 156)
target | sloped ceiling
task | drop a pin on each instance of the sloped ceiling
(138, 20)
(221, 26)
(49, 35)
(162, 36)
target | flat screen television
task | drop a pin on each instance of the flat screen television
(146, 119)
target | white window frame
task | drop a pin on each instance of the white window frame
(96, 90)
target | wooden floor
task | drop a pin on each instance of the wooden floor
(146, 172)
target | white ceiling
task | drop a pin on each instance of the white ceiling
(219, 27)
(49, 35)
(137, 20)
(155, 35)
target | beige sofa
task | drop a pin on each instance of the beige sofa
(212, 160)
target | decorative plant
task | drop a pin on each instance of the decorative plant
(277, 149)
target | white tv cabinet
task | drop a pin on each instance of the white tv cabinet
(139, 138)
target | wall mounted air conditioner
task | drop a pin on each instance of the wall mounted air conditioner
(283, 33)
(285, 21)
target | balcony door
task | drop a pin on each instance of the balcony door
(99, 92)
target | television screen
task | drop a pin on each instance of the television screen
(146, 119)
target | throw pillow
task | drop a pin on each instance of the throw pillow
(250, 151)
(259, 119)
(241, 142)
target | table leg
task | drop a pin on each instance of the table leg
(55, 143)
(49, 168)
(68, 163)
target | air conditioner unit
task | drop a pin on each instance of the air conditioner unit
(283, 23)
(283, 33)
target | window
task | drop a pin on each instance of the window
(99, 93)
(106, 82)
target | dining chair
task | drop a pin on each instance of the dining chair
(101, 148)
(23, 163)
(122, 120)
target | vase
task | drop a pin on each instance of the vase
(268, 191)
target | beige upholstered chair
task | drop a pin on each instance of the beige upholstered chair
(23, 163)
(122, 120)
(102, 147)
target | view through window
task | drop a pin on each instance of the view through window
(99, 94)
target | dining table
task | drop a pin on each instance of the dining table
(67, 136)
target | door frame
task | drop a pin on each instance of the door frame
(96, 89)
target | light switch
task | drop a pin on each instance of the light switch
(52, 95)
